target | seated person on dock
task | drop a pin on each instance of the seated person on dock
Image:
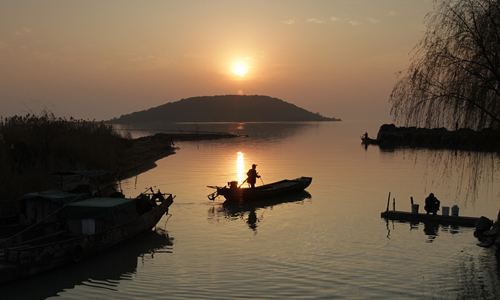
(252, 176)
(431, 204)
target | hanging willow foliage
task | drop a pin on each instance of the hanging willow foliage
(454, 77)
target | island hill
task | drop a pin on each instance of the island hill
(228, 108)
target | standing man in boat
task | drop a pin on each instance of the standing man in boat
(252, 176)
(431, 204)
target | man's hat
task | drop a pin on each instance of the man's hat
(254, 165)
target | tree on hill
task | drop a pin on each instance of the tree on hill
(454, 76)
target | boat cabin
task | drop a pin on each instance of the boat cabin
(40, 206)
(97, 215)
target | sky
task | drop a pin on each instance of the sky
(99, 59)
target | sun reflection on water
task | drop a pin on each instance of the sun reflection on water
(240, 166)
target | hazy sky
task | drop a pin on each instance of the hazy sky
(100, 59)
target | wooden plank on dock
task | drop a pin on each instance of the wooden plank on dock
(444, 220)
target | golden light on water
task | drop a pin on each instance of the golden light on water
(240, 166)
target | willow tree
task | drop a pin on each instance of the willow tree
(454, 76)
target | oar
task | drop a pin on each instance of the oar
(262, 181)
(242, 183)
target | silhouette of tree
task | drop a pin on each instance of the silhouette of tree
(454, 76)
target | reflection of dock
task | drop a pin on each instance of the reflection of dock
(443, 220)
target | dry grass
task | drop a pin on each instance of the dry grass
(34, 146)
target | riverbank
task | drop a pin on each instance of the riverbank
(390, 136)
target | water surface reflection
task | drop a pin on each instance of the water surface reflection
(252, 212)
(430, 229)
(334, 247)
(101, 272)
(262, 132)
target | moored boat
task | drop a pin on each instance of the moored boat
(267, 191)
(81, 229)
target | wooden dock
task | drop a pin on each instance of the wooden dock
(443, 220)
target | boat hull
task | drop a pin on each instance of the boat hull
(268, 191)
(21, 262)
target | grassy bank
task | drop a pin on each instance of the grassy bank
(33, 147)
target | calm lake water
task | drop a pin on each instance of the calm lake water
(330, 243)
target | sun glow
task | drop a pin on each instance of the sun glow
(240, 69)
(240, 166)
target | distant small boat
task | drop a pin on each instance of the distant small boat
(81, 229)
(369, 141)
(268, 191)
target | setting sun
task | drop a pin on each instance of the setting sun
(239, 69)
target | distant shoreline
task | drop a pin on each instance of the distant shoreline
(163, 126)
(390, 136)
(151, 125)
(219, 122)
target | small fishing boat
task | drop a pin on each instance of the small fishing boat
(78, 230)
(369, 141)
(232, 192)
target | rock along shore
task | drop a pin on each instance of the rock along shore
(390, 136)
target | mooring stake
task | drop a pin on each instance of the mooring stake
(388, 201)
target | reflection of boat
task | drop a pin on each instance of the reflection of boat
(268, 191)
(103, 271)
(82, 228)
(444, 220)
(233, 208)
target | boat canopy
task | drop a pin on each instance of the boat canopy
(54, 196)
(41, 205)
(115, 210)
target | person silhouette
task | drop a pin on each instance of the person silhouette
(252, 220)
(431, 204)
(252, 176)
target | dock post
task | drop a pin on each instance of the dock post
(393, 204)
(388, 201)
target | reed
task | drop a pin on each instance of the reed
(34, 146)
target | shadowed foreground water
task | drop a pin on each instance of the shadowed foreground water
(327, 243)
